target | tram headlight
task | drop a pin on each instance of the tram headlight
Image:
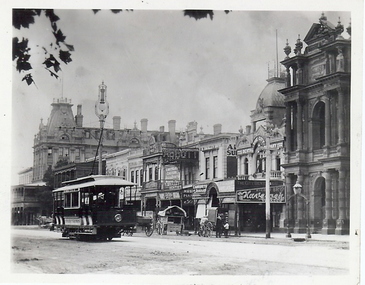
(118, 218)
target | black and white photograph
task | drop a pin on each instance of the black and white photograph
(182, 143)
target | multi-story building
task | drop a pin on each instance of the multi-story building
(26, 176)
(317, 98)
(27, 204)
(65, 138)
(261, 144)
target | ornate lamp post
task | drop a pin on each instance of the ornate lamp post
(101, 111)
(267, 187)
(297, 188)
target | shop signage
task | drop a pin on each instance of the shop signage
(171, 172)
(172, 184)
(276, 145)
(250, 184)
(169, 195)
(231, 150)
(151, 185)
(179, 154)
(258, 195)
(244, 151)
(200, 188)
(187, 197)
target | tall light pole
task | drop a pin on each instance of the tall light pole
(267, 186)
(101, 111)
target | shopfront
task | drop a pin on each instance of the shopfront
(250, 198)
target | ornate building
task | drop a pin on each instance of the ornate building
(317, 98)
(267, 130)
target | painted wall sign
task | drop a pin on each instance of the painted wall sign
(231, 150)
(258, 195)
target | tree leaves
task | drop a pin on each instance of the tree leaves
(28, 78)
(65, 56)
(199, 14)
(23, 18)
(21, 54)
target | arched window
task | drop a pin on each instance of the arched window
(318, 123)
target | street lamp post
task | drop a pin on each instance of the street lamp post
(101, 111)
(297, 188)
(267, 187)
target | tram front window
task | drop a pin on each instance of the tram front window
(107, 199)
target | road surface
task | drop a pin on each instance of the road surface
(42, 251)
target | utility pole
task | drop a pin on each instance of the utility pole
(101, 111)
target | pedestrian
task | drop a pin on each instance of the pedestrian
(218, 227)
(226, 229)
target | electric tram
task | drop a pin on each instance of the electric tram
(97, 207)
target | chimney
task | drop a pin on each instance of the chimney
(144, 125)
(79, 117)
(162, 129)
(116, 123)
(217, 128)
(248, 129)
(172, 126)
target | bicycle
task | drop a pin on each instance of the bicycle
(205, 229)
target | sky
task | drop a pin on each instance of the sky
(157, 64)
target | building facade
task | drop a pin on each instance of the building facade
(262, 143)
(317, 98)
(65, 138)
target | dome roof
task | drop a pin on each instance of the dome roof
(270, 97)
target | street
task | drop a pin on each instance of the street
(42, 251)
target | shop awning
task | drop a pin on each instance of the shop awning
(172, 211)
(200, 211)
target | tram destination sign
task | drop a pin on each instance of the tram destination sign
(258, 195)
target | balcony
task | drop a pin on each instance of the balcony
(275, 175)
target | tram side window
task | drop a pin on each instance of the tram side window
(75, 199)
(72, 200)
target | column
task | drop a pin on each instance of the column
(327, 121)
(340, 114)
(299, 125)
(288, 77)
(288, 126)
(289, 211)
(342, 223)
(299, 74)
(328, 223)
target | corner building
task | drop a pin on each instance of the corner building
(317, 99)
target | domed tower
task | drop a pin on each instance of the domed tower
(270, 105)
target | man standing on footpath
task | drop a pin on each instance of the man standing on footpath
(218, 227)
(226, 228)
